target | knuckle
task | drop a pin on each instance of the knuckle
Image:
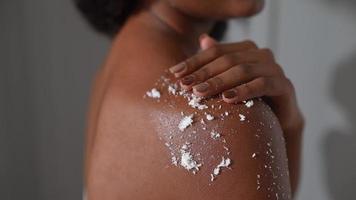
(250, 44)
(202, 74)
(245, 69)
(265, 82)
(241, 70)
(217, 82)
(278, 69)
(235, 71)
(267, 53)
(215, 51)
(228, 60)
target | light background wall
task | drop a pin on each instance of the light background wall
(48, 57)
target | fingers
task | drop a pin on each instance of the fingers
(224, 63)
(240, 70)
(265, 55)
(204, 57)
(212, 69)
(261, 86)
(228, 79)
(207, 42)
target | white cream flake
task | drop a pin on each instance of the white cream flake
(227, 150)
(209, 117)
(258, 182)
(154, 93)
(254, 155)
(215, 135)
(249, 103)
(172, 89)
(212, 177)
(195, 102)
(184, 147)
(242, 117)
(202, 121)
(224, 163)
(185, 122)
(182, 92)
(187, 161)
(174, 160)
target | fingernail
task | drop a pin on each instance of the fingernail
(229, 94)
(178, 68)
(203, 87)
(188, 80)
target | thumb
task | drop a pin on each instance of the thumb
(206, 41)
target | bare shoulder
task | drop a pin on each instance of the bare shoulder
(218, 150)
(163, 144)
(190, 148)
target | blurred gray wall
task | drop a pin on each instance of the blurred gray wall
(48, 57)
(47, 60)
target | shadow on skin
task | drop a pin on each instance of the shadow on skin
(339, 144)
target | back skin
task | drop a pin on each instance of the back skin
(126, 153)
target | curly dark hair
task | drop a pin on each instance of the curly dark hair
(108, 16)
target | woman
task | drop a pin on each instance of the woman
(171, 144)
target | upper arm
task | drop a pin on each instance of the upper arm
(138, 138)
(259, 168)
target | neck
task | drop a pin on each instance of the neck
(188, 27)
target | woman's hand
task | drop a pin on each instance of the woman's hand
(240, 71)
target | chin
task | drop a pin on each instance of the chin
(219, 9)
